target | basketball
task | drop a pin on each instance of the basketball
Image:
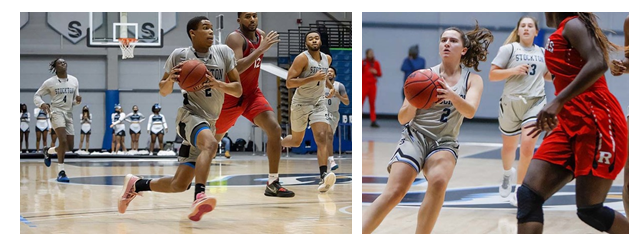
(192, 76)
(421, 88)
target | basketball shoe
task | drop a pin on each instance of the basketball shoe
(128, 193)
(276, 190)
(327, 181)
(201, 206)
(506, 186)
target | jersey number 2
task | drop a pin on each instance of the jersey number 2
(208, 92)
(444, 116)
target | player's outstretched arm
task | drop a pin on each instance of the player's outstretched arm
(406, 113)
(235, 41)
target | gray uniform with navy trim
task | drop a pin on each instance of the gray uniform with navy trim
(63, 92)
(333, 104)
(432, 130)
(200, 109)
(308, 102)
(523, 96)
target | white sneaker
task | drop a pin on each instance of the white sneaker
(333, 165)
(513, 199)
(506, 185)
(327, 181)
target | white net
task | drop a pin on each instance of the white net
(127, 46)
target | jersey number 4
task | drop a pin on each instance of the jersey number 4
(64, 100)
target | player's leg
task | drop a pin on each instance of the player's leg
(207, 145)
(509, 148)
(122, 142)
(590, 193)
(293, 140)
(70, 142)
(372, 100)
(54, 137)
(526, 151)
(38, 135)
(226, 146)
(543, 179)
(117, 138)
(160, 141)
(44, 137)
(82, 139)
(400, 179)
(438, 171)
(510, 128)
(22, 135)
(152, 144)
(268, 123)
(330, 148)
(299, 115)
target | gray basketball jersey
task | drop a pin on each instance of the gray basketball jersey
(531, 84)
(311, 91)
(441, 122)
(63, 92)
(333, 102)
(219, 60)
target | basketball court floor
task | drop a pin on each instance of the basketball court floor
(88, 203)
(472, 203)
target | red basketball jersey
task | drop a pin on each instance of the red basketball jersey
(249, 77)
(565, 62)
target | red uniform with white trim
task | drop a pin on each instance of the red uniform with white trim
(252, 102)
(592, 135)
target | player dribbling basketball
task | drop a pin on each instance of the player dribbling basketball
(429, 139)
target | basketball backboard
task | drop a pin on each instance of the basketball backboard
(148, 27)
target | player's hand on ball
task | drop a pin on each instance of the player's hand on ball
(213, 83)
(174, 73)
(445, 93)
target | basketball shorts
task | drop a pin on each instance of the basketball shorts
(591, 137)
(415, 148)
(42, 125)
(249, 106)
(188, 126)
(63, 119)
(515, 112)
(157, 130)
(134, 128)
(24, 126)
(334, 121)
(301, 114)
(85, 129)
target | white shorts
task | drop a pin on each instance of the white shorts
(63, 119)
(334, 121)
(24, 126)
(42, 125)
(515, 112)
(415, 149)
(301, 114)
(134, 128)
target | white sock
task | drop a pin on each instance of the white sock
(272, 178)
(52, 150)
(507, 172)
(61, 167)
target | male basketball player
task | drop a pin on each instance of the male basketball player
(63, 90)
(308, 74)
(194, 119)
(249, 44)
(333, 109)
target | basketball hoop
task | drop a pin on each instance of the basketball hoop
(127, 46)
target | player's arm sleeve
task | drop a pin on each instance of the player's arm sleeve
(37, 98)
(231, 59)
(77, 93)
(171, 61)
(343, 94)
(503, 56)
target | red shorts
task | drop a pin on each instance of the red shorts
(252, 105)
(591, 137)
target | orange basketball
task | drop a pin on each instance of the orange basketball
(421, 88)
(192, 75)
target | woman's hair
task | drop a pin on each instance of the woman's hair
(514, 35)
(23, 105)
(85, 111)
(52, 66)
(590, 22)
(477, 42)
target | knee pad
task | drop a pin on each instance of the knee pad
(529, 206)
(597, 216)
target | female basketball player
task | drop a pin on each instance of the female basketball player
(429, 140)
(618, 68)
(42, 127)
(52, 131)
(117, 119)
(587, 133)
(25, 117)
(521, 63)
(156, 127)
(85, 127)
(134, 118)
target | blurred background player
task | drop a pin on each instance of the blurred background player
(43, 125)
(135, 118)
(156, 127)
(618, 68)
(63, 90)
(521, 63)
(308, 74)
(226, 142)
(429, 140)
(370, 70)
(25, 117)
(195, 118)
(85, 128)
(340, 96)
(411, 64)
(591, 150)
(249, 43)
(118, 133)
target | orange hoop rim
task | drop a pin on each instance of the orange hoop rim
(127, 41)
